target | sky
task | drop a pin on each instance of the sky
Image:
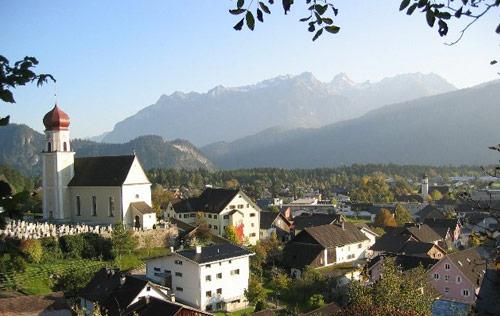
(113, 58)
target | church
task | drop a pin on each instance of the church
(93, 190)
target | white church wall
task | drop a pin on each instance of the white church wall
(102, 195)
(134, 193)
(57, 173)
(136, 174)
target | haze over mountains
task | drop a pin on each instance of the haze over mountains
(451, 128)
(226, 114)
(22, 147)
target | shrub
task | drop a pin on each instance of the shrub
(32, 250)
(9, 263)
(72, 282)
(96, 247)
(72, 246)
(51, 249)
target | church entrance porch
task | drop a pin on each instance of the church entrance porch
(144, 216)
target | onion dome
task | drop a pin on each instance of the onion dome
(56, 120)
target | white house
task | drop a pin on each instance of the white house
(211, 278)
(220, 208)
(93, 190)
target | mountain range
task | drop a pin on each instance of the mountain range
(450, 128)
(287, 102)
(21, 148)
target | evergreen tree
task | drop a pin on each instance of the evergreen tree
(122, 240)
(402, 215)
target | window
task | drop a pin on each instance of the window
(219, 275)
(446, 289)
(252, 235)
(209, 225)
(459, 279)
(192, 215)
(208, 266)
(180, 289)
(248, 205)
(208, 278)
(78, 206)
(215, 216)
(436, 276)
(111, 206)
(252, 214)
(186, 215)
(447, 266)
(179, 262)
(208, 293)
(232, 207)
(219, 291)
(49, 147)
(65, 146)
(208, 308)
(235, 272)
(157, 269)
(446, 277)
(226, 216)
(215, 226)
(465, 293)
(178, 274)
(209, 215)
(137, 196)
(240, 206)
(94, 206)
(360, 245)
(230, 261)
(253, 225)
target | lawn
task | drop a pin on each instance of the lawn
(39, 278)
(241, 312)
(358, 220)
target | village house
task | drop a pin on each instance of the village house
(458, 276)
(325, 245)
(404, 262)
(114, 292)
(93, 190)
(420, 232)
(448, 229)
(406, 245)
(53, 304)
(211, 278)
(274, 223)
(310, 220)
(220, 208)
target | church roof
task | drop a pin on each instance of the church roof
(142, 207)
(101, 171)
(56, 120)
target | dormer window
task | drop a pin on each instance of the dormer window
(49, 147)
(65, 146)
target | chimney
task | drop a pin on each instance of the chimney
(123, 279)
(217, 250)
(198, 249)
(171, 249)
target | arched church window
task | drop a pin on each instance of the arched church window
(49, 147)
(65, 146)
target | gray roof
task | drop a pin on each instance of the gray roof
(212, 200)
(304, 221)
(142, 207)
(101, 171)
(214, 253)
(471, 264)
(334, 235)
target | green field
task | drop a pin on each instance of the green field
(39, 278)
(241, 312)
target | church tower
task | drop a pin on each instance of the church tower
(58, 166)
(425, 187)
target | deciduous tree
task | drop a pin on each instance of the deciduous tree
(384, 218)
(402, 215)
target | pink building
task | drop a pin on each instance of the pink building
(458, 275)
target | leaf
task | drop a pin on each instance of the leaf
(321, 9)
(311, 27)
(286, 5)
(240, 4)
(422, 3)
(260, 15)
(239, 25)
(237, 11)
(498, 29)
(430, 17)
(264, 8)
(404, 4)
(327, 21)
(4, 120)
(458, 13)
(335, 10)
(444, 15)
(493, 62)
(250, 20)
(6, 96)
(318, 34)
(332, 29)
(411, 9)
(443, 28)
(305, 19)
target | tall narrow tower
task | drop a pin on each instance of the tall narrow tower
(58, 166)
(425, 187)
